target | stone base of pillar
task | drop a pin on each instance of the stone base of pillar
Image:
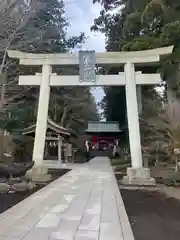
(139, 176)
(39, 174)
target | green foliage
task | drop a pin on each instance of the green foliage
(170, 34)
(141, 22)
(141, 43)
(172, 180)
(114, 104)
(152, 18)
(118, 162)
(140, 25)
(132, 24)
(44, 32)
(122, 167)
(23, 147)
(17, 116)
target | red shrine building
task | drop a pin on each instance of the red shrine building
(103, 136)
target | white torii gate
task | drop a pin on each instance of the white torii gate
(136, 174)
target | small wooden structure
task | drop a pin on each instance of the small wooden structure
(55, 136)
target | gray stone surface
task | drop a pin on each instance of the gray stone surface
(88, 235)
(139, 181)
(39, 174)
(139, 176)
(143, 173)
(84, 204)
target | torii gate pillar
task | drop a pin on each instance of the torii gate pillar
(42, 115)
(133, 116)
(137, 174)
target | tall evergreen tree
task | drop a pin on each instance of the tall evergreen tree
(45, 31)
(140, 25)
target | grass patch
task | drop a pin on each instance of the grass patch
(122, 167)
(172, 179)
(166, 175)
(118, 161)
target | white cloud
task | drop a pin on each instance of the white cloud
(81, 15)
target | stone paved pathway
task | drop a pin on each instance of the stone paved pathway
(84, 204)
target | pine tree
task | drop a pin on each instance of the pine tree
(141, 25)
(44, 32)
(47, 31)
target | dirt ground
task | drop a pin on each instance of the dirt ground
(152, 214)
(8, 200)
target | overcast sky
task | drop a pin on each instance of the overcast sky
(81, 15)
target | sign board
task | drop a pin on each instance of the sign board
(87, 62)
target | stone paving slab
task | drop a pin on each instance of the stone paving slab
(84, 204)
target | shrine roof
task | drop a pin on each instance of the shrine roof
(50, 125)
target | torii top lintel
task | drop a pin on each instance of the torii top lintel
(146, 57)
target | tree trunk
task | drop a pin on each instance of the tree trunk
(3, 80)
(64, 115)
